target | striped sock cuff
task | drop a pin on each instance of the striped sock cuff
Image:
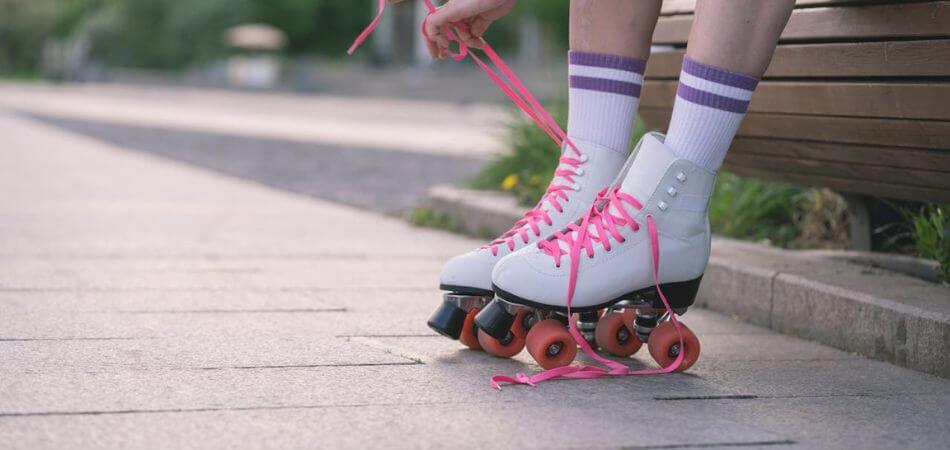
(605, 73)
(714, 87)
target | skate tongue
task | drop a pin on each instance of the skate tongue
(649, 166)
(640, 176)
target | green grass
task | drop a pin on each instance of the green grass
(429, 218)
(745, 208)
(930, 229)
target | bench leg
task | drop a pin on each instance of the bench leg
(860, 219)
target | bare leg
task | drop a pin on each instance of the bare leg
(614, 27)
(738, 35)
(610, 42)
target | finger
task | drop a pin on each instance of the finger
(479, 26)
(433, 48)
(463, 32)
(455, 11)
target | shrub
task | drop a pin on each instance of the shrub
(930, 228)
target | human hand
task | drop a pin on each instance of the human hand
(477, 15)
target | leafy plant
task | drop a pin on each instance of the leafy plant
(429, 218)
(930, 228)
(751, 209)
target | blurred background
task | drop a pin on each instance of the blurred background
(295, 45)
(262, 89)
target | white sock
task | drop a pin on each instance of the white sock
(603, 97)
(710, 104)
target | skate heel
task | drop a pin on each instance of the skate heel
(455, 315)
(495, 319)
(681, 295)
(448, 320)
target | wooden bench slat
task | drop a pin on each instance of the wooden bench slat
(870, 187)
(904, 20)
(927, 134)
(891, 175)
(924, 100)
(923, 58)
(671, 7)
(899, 157)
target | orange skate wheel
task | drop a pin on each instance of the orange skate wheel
(664, 346)
(550, 344)
(615, 336)
(469, 335)
(629, 315)
(511, 345)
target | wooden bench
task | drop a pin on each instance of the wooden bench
(857, 98)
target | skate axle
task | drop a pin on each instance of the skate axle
(466, 302)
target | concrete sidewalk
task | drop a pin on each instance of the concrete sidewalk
(422, 126)
(150, 304)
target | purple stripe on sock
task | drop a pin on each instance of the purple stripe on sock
(604, 85)
(711, 100)
(720, 76)
(607, 61)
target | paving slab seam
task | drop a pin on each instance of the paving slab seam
(717, 444)
(223, 311)
(109, 338)
(14, 415)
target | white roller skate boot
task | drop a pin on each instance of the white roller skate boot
(604, 263)
(583, 171)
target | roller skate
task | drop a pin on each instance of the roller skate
(583, 170)
(605, 268)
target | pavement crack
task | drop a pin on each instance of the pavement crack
(407, 335)
(222, 311)
(109, 338)
(310, 366)
(389, 349)
(718, 444)
(222, 409)
(707, 397)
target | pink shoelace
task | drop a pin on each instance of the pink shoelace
(577, 236)
(553, 195)
(519, 94)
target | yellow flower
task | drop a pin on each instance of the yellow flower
(510, 182)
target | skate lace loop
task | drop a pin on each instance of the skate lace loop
(599, 217)
(519, 94)
(555, 193)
